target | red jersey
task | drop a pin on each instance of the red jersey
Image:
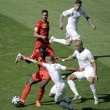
(42, 28)
(36, 55)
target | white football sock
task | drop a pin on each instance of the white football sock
(72, 86)
(65, 105)
(62, 41)
(93, 89)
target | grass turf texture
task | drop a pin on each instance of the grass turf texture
(17, 20)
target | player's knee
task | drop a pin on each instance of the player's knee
(71, 77)
(51, 95)
(91, 81)
(30, 81)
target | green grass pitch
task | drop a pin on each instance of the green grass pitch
(17, 21)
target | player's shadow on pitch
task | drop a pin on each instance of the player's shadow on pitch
(49, 102)
(101, 56)
(89, 108)
(105, 98)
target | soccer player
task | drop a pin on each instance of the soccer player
(86, 61)
(41, 33)
(41, 76)
(54, 70)
(73, 15)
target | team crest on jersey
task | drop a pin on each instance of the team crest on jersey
(44, 26)
(39, 58)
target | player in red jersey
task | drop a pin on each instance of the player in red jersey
(41, 32)
(41, 76)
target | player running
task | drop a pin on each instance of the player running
(73, 15)
(40, 76)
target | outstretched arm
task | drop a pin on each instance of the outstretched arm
(74, 69)
(32, 60)
(68, 58)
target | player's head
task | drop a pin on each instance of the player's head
(44, 14)
(78, 4)
(49, 59)
(79, 45)
(43, 52)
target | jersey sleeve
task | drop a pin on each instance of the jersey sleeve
(45, 65)
(33, 56)
(90, 57)
(68, 12)
(37, 27)
(83, 12)
(74, 54)
(63, 67)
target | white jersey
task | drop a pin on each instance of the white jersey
(73, 17)
(84, 58)
(55, 72)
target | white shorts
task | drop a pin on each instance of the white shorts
(59, 91)
(89, 71)
(72, 34)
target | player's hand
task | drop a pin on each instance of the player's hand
(96, 78)
(93, 26)
(61, 26)
(81, 69)
(43, 37)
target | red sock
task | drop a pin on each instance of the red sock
(26, 91)
(40, 94)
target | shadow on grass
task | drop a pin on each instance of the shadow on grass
(89, 108)
(105, 97)
(50, 102)
(96, 57)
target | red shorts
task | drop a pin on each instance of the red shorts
(41, 75)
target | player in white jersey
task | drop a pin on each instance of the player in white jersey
(54, 70)
(73, 15)
(86, 61)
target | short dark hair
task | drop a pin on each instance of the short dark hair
(50, 58)
(78, 2)
(45, 11)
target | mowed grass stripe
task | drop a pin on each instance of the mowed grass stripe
(14, 76)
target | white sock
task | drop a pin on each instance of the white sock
(65, 105)
(62, 41)
(72, 86)
(93, 89)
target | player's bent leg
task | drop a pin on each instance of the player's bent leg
(72, 86)
(93, 89)
(26, 90)
(52, 91)
(65, 105)
(61, 41)
(68, 42)
(41, 92)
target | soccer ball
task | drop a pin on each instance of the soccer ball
(16, 100)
